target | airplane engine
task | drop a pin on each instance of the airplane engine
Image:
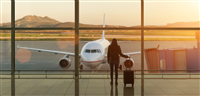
(128, 63)
(65, 63)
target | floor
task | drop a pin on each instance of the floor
(99, 87)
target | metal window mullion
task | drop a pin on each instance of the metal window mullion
(76, 37)
(142, 48)
(13, 48)
(13, 37)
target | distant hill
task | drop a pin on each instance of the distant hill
(37, 22)
(71, 24)
(184, 24)
(33, 21)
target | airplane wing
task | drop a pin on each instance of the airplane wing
(122, 42)
(132, 53)
(50, 51)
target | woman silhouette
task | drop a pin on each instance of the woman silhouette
(114, 51)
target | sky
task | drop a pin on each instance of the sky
(117, 12)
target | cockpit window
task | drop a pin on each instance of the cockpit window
(93, 51)
(98, 50)
(87, 51)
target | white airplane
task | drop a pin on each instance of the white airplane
(92, 54)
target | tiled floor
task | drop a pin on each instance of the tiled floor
(100, 87)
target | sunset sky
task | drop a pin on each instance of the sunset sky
(118, 12)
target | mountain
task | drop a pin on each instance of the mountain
(37, 22)
(184, 24)
(72, 24)
(33, 21)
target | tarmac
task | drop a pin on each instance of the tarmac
(49, 61)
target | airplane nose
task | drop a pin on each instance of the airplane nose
(90, 58)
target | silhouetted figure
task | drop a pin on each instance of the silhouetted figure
(114, 51)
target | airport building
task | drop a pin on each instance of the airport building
(173, 59)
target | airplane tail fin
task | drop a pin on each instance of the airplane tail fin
(103, 33)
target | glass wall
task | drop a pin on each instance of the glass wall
(46, 49)
(26, 18)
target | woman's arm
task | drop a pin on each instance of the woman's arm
(108, 54)
(121, 54)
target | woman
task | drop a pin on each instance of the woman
(114, 51)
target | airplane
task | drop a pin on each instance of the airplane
(92, 55)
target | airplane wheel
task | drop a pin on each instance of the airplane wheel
(120, 67)
(81, 67)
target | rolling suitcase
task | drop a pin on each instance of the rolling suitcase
(128, 77)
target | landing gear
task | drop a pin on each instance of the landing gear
(120, 67)
(81, 67)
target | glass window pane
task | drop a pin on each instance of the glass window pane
(5, 14)
(118, 13)
(54, 14)
(176, 13)
(166, 53)
(93, 51)
(5, 45)
(129, 40)
(5, 60)
(5, 49)
(49, 49)
(99, 51)
(87, 51)
(176, 49)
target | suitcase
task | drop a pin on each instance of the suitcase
(128, 77)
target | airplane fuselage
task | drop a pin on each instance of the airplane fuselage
(93, 53)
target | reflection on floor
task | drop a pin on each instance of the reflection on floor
(100, 87)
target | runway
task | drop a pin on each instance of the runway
(49, 61)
